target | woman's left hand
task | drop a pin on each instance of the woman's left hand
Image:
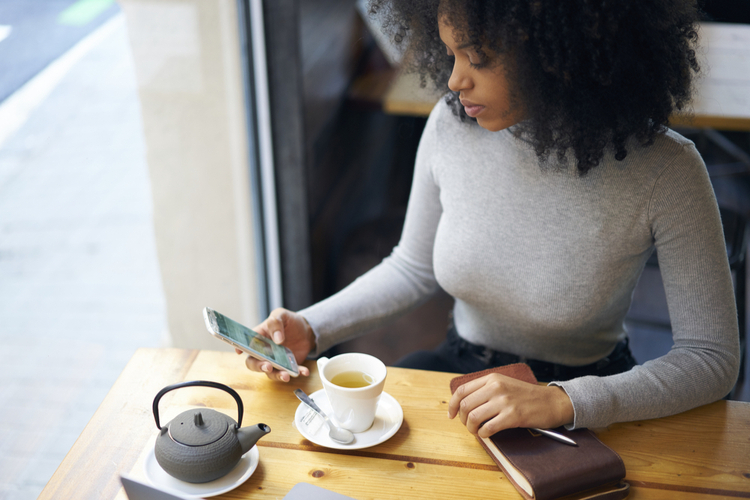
(495, 402)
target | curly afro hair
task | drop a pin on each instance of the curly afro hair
(590, 74)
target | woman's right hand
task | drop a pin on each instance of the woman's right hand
(289, 329)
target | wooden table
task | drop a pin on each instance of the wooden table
(721, 99)
(700, 454)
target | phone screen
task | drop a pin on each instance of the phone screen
(252, 340)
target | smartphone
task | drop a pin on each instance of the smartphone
(251, 342)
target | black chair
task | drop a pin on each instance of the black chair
(735, 234)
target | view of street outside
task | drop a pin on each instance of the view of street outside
(79, 281)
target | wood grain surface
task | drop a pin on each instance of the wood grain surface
(700, 454)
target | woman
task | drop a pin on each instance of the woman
(543, 182)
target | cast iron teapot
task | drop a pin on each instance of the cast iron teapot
(201, 445)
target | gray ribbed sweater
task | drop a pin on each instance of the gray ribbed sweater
(542, 263)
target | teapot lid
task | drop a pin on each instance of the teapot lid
(199, 427)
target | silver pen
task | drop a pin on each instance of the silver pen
(556, 436)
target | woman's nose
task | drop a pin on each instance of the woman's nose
(459, 79)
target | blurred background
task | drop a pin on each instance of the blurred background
(79, 278)
(159, 156)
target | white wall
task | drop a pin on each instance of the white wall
(187, 60)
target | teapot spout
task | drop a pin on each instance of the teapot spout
(248, 436)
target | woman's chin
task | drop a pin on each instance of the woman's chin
(497, 124)
(491, 126)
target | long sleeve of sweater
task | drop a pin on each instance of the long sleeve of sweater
(703, 363)
(403, 281)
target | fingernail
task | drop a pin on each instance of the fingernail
(277, 337)
(266, 368)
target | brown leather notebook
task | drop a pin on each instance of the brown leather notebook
(541, 468)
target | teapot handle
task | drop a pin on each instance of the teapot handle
(201, 383)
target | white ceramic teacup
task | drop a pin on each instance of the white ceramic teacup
(353, 408)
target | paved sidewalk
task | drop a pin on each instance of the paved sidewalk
(79, 283)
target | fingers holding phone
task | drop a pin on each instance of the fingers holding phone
(272, 373)
(273, 327)
(291, 330)
(278, 362)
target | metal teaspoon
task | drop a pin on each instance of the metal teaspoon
(335, 432)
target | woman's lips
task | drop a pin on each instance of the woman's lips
(471, 108)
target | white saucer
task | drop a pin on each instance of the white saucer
(242, 471)
(388, 419)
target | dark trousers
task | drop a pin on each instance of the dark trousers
(456, 355)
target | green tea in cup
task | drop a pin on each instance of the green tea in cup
(352, 379)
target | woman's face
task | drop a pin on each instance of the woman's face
(480, 80)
